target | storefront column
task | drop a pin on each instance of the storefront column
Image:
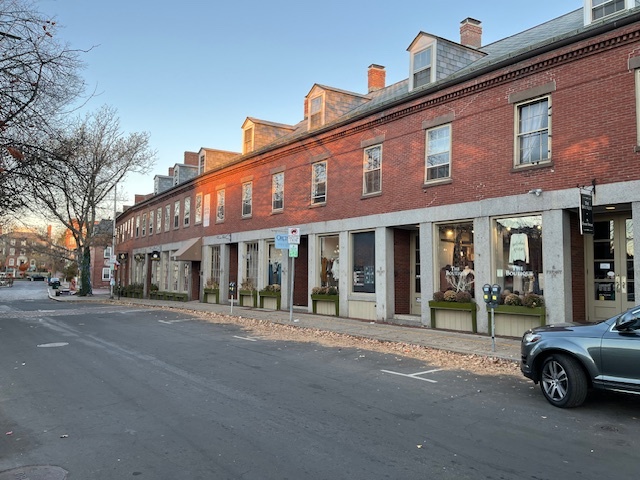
(313, 276)
(263, 264)
(556, 261)
(427, 272)
(635, 218)
(483, 268)
(242, 264)
(345, 276)
(385, 294)
(225, 268)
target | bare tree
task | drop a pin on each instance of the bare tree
(38, 79)
(84, 163)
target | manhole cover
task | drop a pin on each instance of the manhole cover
(44, 472)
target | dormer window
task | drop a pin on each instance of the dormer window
(248, 140)
(598, 9)
(422, 63)
(316, 112)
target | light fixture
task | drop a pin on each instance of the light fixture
(610, 207)
(536, 191)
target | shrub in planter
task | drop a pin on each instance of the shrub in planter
(463, 297)
(438, 296)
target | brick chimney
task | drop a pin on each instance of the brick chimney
(306, 108)
(376, 77)
(191, 158)
(471, 32)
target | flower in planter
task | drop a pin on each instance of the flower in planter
(450, 296)
(272, 288)
(463, 297)
(211, 283)
(438, 296)
(533, 300)
(247, 285)
(513, 300)
(324, 291)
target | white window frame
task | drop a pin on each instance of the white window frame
(201, 164)
(152, 220)
(277, 192)
(316, 111)
(176, 214)
(107, 252)
(247, 140)
(247, 199)
(167, 217)
(316, 197)
(220, 206)
(422, 61)
(372, 170)
(186, 213)
(144, 224)
(595, 10)
(532, 131)
(437, 147)
(106, 274)
(198, 209)
(159, 220)
(137, 226)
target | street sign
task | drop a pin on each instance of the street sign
(293, 250)
(294, 235)
(282, 241)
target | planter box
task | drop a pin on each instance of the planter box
(454, 316)
(211, 295)
(326, 304)
(512, 321)
(246, 296)
(273, 299)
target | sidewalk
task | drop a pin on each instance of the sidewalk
(505, 348)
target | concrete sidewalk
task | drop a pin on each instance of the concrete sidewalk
(505, 348)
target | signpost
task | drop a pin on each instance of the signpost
(294, 241)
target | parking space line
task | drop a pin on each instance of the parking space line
(246, 338)
(415, 375)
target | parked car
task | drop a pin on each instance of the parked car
(54, 282)
(36, 278)
(567, 359)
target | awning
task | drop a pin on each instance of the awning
(190, 251)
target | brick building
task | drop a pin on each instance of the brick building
(514, 161)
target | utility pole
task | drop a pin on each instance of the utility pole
(112, 281)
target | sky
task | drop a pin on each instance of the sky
(189, 73)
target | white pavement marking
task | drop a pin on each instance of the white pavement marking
(416, 375)
(169, 322)
(246, 338)
(56, 344)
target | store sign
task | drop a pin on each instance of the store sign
(586, 212)
(282, 241)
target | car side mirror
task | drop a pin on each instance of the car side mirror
(628, 321)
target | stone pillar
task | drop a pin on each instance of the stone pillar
(385, 293)
(428, 274)
(483, 267)
(313, 276)
(556, 262)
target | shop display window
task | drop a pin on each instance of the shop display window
(455, 257)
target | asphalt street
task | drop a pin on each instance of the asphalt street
(106, 391)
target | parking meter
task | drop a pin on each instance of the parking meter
(495, 294)
(232, 288)
(486, 293)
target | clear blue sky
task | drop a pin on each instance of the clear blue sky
(190, 72)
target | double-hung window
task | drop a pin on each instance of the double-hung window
(248, 140)
(247, 199)
(186, 215)
(167, 217)
(277, 191)
(159, 219)
(176, 214)
(151, 221)
(319, 183)
(144, 224)
(422, 66)
(198, 210)
(220, 206)
(137, 226)
(533, 131)
(604, 8)
(438, 153)
(316, 112)
(372, 170)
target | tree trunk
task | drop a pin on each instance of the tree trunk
(85, 273)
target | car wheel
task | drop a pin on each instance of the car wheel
(563, 382)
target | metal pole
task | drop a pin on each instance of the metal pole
(112, 282)
(293, 266)
(493, 328)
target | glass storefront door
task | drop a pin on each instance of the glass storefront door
(610, 280)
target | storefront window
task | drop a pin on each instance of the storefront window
(518, 254)
(329, 261)
(364, 261)
(275, 265)
(455, 257)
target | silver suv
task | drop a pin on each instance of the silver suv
(569, 358)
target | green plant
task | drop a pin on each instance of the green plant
(211, 283)
(153, 287)
(324, 291)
